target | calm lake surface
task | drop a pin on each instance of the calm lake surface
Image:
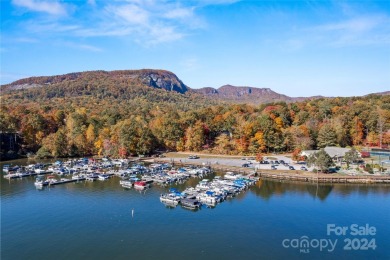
(93, 220)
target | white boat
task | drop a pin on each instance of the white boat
(8, 168)
(79, 177)
(232, 176)
(203, 185)
(40, 183)
(208, 197)
(92, 177)
(103, 177)
(42, 171)
(117, 162)
(170, 198)
(126, 183)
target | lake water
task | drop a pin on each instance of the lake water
(94, 220)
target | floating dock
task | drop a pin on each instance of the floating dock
(52, 183)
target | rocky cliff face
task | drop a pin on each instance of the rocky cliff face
(160, 79)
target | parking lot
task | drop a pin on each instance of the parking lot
(270, 162)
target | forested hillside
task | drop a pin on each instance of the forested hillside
(124, 117)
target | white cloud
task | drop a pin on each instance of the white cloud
(130, 13)
(146, 22)
(359, 30)
(363, 30)
(355, 25)
(163, 34)
(50, 7)
(180, 13)
(86, 47)
(216, 2)
(49, 27)
(25, 39)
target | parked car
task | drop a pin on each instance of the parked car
(303, 168)
(245, 165)
(273, 167)
(193, 157)
(291, 167)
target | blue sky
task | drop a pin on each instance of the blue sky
(298, 48)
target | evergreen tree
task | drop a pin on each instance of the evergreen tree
(326, 136)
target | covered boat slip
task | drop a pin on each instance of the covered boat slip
(190, 203)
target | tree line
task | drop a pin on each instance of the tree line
(120, 125)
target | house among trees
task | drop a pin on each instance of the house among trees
(335, 152)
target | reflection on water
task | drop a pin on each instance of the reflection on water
(268, 188)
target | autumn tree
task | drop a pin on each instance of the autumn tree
(356, 131)
(195, 137)
(223, 144)
(257, 143)
(296, 154)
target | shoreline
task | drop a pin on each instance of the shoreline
(233, 163)
(295, 175)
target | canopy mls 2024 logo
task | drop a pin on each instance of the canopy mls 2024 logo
(354, 237)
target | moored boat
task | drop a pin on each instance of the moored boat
(92, 177)
(170, 198)
(141, 185)
(78, 177)
(103, 177)
(232, 176)
(126, 183)
(190, 203)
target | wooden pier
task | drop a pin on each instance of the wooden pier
(325, 178)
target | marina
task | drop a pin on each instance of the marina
(208, 192)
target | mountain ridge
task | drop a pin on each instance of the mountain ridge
(249, 94)
(154, 78)
(161, 79)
